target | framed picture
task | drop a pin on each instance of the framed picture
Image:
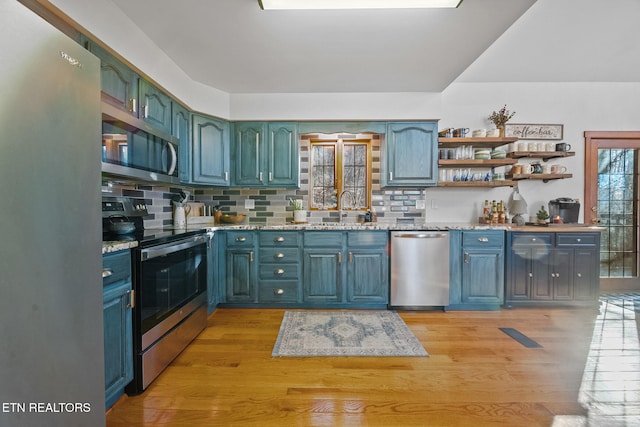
(533, 131)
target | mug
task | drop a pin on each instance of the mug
(445, 133)
(493, 133)
(516, 169)
(460, 132)
(537, 168)
(533, 146)
(521, 146)
(527, 169)
(550, 146)
(546, 169)
(563, 146)
(558, 169)
(479, 133)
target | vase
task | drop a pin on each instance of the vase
(501, 131)
(300, 215)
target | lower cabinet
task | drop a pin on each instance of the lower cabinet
(553, 268)
(118, 332)
(305, 268)
(476, 270)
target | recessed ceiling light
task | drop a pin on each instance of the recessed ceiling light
(357, 4)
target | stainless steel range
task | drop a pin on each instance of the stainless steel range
(170, 283)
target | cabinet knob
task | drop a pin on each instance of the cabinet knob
(530, 274)
(106, 272)
(279, 239)
(533, 239)
(578, 240)
(279, 255)
(483, 239)
(278, 291)
(241, 239)
(579, 274)
(278, 271)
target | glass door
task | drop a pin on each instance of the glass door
(611, 200)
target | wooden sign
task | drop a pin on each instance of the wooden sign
(533, 131)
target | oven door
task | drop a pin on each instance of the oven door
(173, 277)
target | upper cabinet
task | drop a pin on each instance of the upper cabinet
(119, 82)
(410, 155)
(155, 106)
(265, 154)
(211, 151)
(181, 129)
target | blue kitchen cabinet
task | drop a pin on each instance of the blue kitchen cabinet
(265, 154)
(476, 269)
(118, 333)
(368, 267)
(119, 83)
(154, 106)
(181, 129)
(279, 267)
(410, 155)
(549, 268)
(211, 151)
(240, 271)
(322, 267)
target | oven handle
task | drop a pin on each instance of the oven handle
(169, 248)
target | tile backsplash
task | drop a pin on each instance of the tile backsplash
(271, 205)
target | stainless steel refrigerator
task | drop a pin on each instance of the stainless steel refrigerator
(51, 362)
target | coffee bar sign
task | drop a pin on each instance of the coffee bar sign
(533, 131)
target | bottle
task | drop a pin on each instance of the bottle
(485, 210)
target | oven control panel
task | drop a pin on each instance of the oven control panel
(114, 205)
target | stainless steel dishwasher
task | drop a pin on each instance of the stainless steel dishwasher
(419, 269)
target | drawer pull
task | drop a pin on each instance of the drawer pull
(278, 291)
(106, 272)
(279, 255)
(483, 239)
(250, 256)
(533, 239)
(466, 257)
(279, 239)
(579, 274)
(530, 274)
(241, 239)
(278, 271)
(578, 240)
(132, 298)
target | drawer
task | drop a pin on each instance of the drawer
(483, 239)
(276, 271)
(279, 238)
(577, 239)
(240, 238)
(278, 291)
(279, 255)
(116, 266)
(323, 238)
(528, 239)
(367, 238)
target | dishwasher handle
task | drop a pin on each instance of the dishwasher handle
(421, 235)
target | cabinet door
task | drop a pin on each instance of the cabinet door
(541, 268)
(367, 275)
(322, 275)
(118, 82)
(520, 274)
(180, 129)
(410, 155)
(282, 155)
(561, 274)
(248, 151)
(240, 275)
(155, 106)
(482, 276)
(586, 274)
(118, 340)
(210, 150)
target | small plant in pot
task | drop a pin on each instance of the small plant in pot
(299, 212)
(542, 215)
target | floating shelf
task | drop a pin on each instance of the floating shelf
(485, 184)
(544, 155)
(477, 162)
(545, 177)
(479, 142)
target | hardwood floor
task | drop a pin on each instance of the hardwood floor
(475, 376)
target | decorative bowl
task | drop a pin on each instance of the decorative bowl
(233, 219)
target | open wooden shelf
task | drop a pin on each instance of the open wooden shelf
(544, 155)
(545, 177)
(486, 184)
(476, 142)
(479, 163)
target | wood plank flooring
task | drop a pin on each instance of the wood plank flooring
(476, 375)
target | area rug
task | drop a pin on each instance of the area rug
(345, 333)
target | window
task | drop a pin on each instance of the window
(338, 166)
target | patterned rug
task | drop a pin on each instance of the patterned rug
(345, 333)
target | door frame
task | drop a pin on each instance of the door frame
(595, 140)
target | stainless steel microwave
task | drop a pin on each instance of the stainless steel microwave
(132, 148)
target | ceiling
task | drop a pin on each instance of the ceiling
(234, 46)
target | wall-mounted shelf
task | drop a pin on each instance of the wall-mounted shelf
(545, 177)
(477, 163)
(479, 142)
(544, 155)
(485, 184)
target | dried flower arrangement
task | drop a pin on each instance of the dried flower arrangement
(500, 117)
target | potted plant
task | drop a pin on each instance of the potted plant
(500, 118)
(542, 215)
(299, 212)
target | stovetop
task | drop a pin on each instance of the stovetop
(151, 237)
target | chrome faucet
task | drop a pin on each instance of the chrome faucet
(353, 203)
